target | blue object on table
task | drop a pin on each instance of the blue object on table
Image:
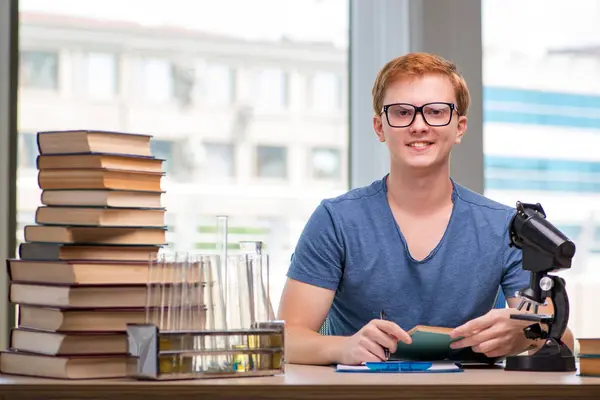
(399, 366)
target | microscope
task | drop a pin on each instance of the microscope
(545, 250)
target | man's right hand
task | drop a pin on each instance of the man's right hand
(368, 343)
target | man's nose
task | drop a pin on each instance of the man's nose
(419, 123)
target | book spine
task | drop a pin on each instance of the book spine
(8, 269)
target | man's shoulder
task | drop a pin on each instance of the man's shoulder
(482, 203)
(358, 196)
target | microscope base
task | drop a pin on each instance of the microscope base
(552, 357)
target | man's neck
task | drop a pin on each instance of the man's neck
(419, 192)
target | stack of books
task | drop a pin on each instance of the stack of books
(82, 271)
(589, 357)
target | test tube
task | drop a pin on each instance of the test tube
(183, 290)
(160, 298)
(222, 272)
(152, 288)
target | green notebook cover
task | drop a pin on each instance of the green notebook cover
(433, 344)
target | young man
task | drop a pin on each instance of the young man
(415, 244)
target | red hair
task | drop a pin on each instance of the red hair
(418, 64)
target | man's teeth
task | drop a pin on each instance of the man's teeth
(420, 144)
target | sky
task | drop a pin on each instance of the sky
(522, 25)
(305, 20)
(538, 25)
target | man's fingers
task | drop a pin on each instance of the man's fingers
(393, 329)
(476, 339)
(382, 338)
(491, 348)
(367, 356)
(475, 325)
(373, 348)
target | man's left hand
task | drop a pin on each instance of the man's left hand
(494, 334)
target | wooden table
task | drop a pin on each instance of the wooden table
(308, 382)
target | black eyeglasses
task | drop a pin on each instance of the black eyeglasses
(401, 115)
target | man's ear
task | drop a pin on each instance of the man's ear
(378, 127)
(461, 129)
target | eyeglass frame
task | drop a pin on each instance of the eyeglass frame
(418, 110)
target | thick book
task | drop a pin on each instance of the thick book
(432, 343)
(589, 345)
(589, 365)
(93, 141)
(63, 367)
(123, 162)
(101, 198)
(79, 320)
(64, 344)
(58, 251)
(99, 179)
(96, 296)
(94, 272)
(95, 235)
(100, 216)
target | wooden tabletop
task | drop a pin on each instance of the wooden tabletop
(310, 382)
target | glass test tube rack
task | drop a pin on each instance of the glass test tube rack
(208, 315)
(196, 354)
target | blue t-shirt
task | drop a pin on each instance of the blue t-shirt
(353, 245)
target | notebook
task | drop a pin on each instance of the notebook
(400, 367)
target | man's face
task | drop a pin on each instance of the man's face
(420, 145)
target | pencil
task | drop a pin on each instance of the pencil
(386, 351)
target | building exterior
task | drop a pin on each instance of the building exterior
(256, 131)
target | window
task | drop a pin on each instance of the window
(325, 92)
(554, 175)
(325, 164)
(214, 88)
(271, 162)
(28, 150)
(163, 149)
(101, 75)
(271, 90)
(157, 79)
(39, 69)
(219, 160)
(542, 124)
(219, 84)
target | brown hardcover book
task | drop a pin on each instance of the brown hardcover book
(61, 344)
(65, 367)
(79, 320)
(95, 235)
(93, 272)
(93, 296)
(99, 179)
(101, 198)
(100, 161)
(589, 345)
(100, 216)
(93, 141)
(58, 251)
(589, 365)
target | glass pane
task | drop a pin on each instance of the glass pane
(101, 75)
(542, 125)
(325, 91)
(234, 101)
(219, 160)
(271, 162)
(326, 163)
(270, 89)
(39, 69)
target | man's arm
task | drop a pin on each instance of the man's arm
(304, 307)
(567, 338)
